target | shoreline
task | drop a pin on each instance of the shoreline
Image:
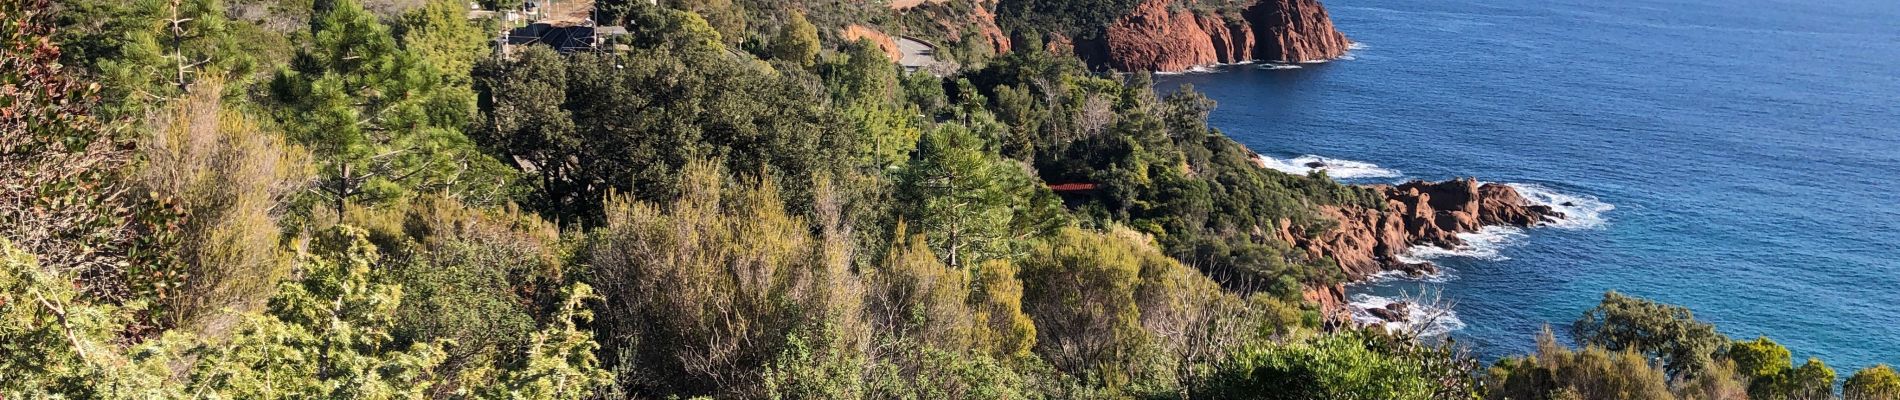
(1449, 217)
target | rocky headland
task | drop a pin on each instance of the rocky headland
(1159, 35)
(1367, 242)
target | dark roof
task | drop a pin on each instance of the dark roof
(563, 38)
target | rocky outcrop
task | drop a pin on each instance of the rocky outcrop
(985, 25)
(1158, 35)
(1368, 241)
(1397, 311)
(1295, 31)
(1232, 42)
(1154, 39)
(854, 32)
(1332, 304)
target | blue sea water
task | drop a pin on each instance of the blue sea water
(1748, 149)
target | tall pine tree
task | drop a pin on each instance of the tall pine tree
(380, 119)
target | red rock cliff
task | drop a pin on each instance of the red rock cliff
(1369, 241)
(1159, 36)
(1294, 31)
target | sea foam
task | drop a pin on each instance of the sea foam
(1441, 275)
(1336, 168)
(1277, 66)
(1422, 317)
(1486, 244)
(1580, 211)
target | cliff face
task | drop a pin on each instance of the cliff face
(1368, 241)
(856, 32)
(1156, 36)
(1295, 31)
(1154, 39)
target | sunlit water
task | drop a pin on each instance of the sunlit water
(1741, 154)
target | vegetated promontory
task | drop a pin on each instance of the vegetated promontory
(721, 198)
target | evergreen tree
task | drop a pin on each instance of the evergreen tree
(797, 41)
(560, 361)
(378, 117)
(954, 192)
(441, 34)
(327, 335)
(55, 344)
(146, 52)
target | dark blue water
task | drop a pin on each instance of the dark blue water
(1748, 147)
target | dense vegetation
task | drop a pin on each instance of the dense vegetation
(332, 199)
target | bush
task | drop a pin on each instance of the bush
(1591, 373)
(1873, 383)
(706, 289)
(1668, 332)
(230, 178)
(1341, 366)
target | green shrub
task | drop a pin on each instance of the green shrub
(1342, 366)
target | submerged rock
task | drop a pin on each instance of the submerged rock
(1397, 311)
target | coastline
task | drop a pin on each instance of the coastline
(1443, 217)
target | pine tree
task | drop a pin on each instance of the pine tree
(972, 204)
(378, 117)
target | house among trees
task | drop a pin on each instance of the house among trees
(566, 26)
(566, 39)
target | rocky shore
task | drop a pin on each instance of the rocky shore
(1368, 241)
(1161, 36)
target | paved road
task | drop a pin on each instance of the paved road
(918, 55)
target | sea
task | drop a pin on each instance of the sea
(1736, 157)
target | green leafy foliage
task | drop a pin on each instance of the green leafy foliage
(706, 289)
(1761, 362)
(1158, 168)
(1079, 19)
(973, 205)
(1878, 382)
(64, 194)
(797, 41)
(729, 20)
(560, 361)
(1594, 372)
(441, 34)
(629, 122)
(765, 215)
(1343, 366)
(53, 343)
(328, 334)
(1668, 332)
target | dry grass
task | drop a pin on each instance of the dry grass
(566, 12)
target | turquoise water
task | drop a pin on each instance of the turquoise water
(1738, 155)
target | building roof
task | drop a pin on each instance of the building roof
(1073, 187)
